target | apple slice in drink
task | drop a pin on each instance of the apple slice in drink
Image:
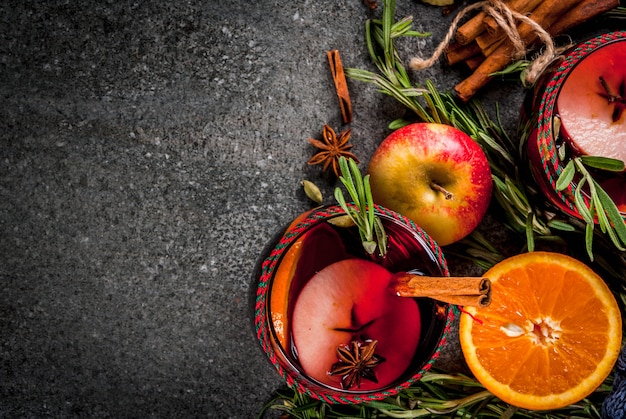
(346, 301)
(591, 103)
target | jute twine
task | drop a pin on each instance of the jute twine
(264, 334)
(507, 19)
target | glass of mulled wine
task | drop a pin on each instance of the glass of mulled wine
(576, 109)
(326, 318)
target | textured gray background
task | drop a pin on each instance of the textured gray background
(148, 152)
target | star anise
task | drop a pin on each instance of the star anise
(357, 361)
(331, 149)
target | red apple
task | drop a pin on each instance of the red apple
(592, 119)
(349, 300)
(434, 174)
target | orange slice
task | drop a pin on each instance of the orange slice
(279, 295)
(323, 247)
(550, 336)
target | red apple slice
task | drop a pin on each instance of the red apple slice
(587, 114)
(350, 299)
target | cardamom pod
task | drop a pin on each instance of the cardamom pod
(342, 221)
(312, 191)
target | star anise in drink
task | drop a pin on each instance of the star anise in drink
(332, 147)
(357, 361)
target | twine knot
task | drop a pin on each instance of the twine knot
(507, 19)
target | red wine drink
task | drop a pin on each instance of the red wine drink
(325, 315)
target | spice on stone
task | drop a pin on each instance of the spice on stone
(341, 85)
(332, 147)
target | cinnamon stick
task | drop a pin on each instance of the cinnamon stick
(467, 291)
(475, 26)
(473, 62)
(341, 86)
(519, 6)
(581, 13)
(469, 30)
(488, 43)
(467, 88)
(489, 49)
(472, 54)
(466, 300)
(455, 52)
(545, 15)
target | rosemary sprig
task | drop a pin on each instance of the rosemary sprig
(618, 12)
(362, 212)
(600, 206)
(436, 394)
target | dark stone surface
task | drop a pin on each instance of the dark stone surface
(148, 152)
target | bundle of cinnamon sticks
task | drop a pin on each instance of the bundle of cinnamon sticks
(484, 46)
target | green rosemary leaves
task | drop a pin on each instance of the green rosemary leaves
(362, 211)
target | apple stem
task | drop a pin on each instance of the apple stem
(439, 188)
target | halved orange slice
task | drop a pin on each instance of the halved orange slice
(316, 248)
(279, 295)
(550, 336)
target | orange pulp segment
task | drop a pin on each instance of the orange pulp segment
(550, 336)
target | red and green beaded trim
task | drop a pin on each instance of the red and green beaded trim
(546, 141)
(261, 327)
